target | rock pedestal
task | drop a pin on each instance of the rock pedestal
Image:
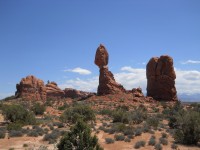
(107, 83)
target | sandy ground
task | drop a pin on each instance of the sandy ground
(18, 142)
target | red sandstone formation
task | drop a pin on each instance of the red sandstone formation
(31, 88)
(73, 93)
(161, 78)
(53, 91)
(101, 57)
(137, 92)
(107, 83)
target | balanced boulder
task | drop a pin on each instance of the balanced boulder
(107, 83)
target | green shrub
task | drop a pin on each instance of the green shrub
(14, 126)
(38, 130)
(58, 124)
(118, 127)
(2, 134)
(73, 114)
(174, 146)
(152, 121)
(163, 141)
(158, 146)
(137, 116)
(33, 133)
(17, 113)
(146, 128)
(164, 135)
(127, 140)
(119, 137)
(152, 141)
(138, 132)
(128, 131)
(105, 112)
(139, 144)
(188, 127)
(79, 137)
(109, 140)
(14, 133)
(130, 136)
(38, 109)
(120, 116)
(63, 107)
(52, 137)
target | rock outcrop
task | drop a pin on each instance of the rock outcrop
(107, 83)
(31, 88)
(73, 93)
(161, 78)
(137, 92)
(53, 91)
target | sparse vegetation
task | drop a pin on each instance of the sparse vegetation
(38, 109)
(174, 146)
(163, 141)
(158, 146)
(119, 137)
(79, 137)
(139, 144)
(152, 121)
(188, 127)
(73, 114)
(14, 133)
(109, 140)
(152, 141)
(2, 134)
(17, 113)
(52, 137)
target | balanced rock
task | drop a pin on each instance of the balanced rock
(73, 93)
(161, 78)
(53, 91)
(101, 57)
(107, 83)
(31, 88)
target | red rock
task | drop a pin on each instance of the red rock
(101, 57)
(53, 91)
(161, 78)
(31, 88)
(107, 83)
(137, 92)
(72, 93)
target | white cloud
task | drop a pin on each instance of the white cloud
(191, 62)
(89, 84)
(132, 77)
(79, 71)
(187, 81)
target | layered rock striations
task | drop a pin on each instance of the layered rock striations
(107, 83)
(31, 88)
(161, 78)
(73, 93)
(53, 91)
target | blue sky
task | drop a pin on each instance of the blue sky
(57, 41)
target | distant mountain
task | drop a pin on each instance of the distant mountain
(189, 98)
